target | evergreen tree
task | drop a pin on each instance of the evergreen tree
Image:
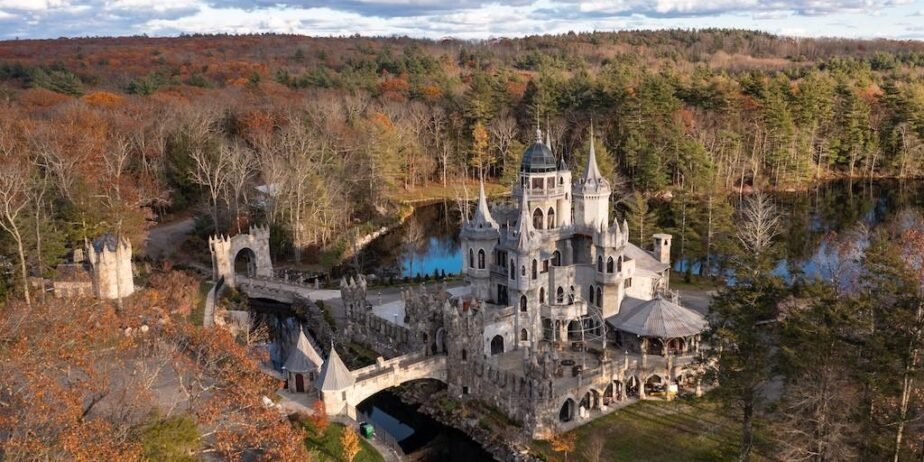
(641, 218)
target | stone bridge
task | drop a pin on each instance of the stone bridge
(382, 375)
(281, 290)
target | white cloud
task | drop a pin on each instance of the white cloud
(33, 5)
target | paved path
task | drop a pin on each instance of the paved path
(163, 240)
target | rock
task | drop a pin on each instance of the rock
(267, 403)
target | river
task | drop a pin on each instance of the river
(429, 240)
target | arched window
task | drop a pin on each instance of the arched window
(556, 258)
(599, 263)
(524, 336)
(599, 297)
(560, 295)
(591, 295)
(542, 295)
(561, 180)
(513, 270)
(619, 264)
(480, 259)
(571, 295)
(523, 303)
(523, 271)
(609, 265)
(535, 269)
(471, 258)
(537, 219)
(551, 218)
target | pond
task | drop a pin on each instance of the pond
(429, 240)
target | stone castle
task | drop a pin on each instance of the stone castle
(561, 320)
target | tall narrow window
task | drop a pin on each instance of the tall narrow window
(591, 295)
(609, 265)
(560, 295)
(556, 258)
(599, 263)
(542, 295)
(523, 303)
(513, 270)
(535, 269)
(599, 297)
(619, 264)
(480, 258)
(551, 218)
(537, 219)
(471, 258)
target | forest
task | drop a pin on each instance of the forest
(323, 138)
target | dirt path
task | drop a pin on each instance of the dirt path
(164, 240)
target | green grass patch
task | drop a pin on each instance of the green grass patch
(173, 439)
(696, 430)
(437, 192)
(679, 281)
(326, 447)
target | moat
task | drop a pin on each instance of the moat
(429, 241)
(418, 436)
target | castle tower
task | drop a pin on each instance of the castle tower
(549, 205)
(111, 265)
(479, 236)
(591, 194)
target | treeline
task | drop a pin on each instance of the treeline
(829, 367)
(111, 132)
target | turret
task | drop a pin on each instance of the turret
(111, 263)
(591, 193)
(479, 236)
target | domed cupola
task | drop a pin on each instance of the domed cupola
(538, 157)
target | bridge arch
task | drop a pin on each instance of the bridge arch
(253, 246)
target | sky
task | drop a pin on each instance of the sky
(464, 19)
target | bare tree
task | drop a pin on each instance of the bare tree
(760, 224)
(593, 448)
(242, 165)
(14, 185)
(212, 170)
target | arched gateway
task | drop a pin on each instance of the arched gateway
(252, 247)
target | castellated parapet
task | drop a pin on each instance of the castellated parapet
(111, 265)
(225, 251)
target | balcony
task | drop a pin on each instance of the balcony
(541, 193)
(564, 311)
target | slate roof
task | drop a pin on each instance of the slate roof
(657, 318)
(643, 259)
(334, 374)
(304, 358)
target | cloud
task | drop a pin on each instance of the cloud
(441, 18)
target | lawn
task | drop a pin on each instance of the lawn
(326, 448)
(197, 315)
(659, 431)
(436, 191)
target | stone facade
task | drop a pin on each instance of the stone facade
(111, 267)
(226, 250)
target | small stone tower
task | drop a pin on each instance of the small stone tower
(353, 293)
(111, 266)
(662, 248)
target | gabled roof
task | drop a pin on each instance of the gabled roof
(334, 374)
(643, 259)
(658, 318)
(304, 358)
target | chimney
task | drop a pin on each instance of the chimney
(662, 248)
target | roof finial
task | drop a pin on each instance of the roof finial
(548, 139)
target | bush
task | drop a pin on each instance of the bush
(173, 439)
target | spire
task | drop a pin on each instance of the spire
(483, 218)
(591, 171)
(524, 225)
(548, 138)
(538, 134)
(334, 374)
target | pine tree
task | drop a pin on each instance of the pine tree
(641, 218)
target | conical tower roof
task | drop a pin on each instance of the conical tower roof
(483, 218)
(592, 178)
(304, 358)
(524, 223)
(334, 374)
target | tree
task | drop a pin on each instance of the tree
(349, 444)
(564, 443)
(211, 169)
(14, 184)
(480, 158)
(759, 225)
(641, 218)
(319, 419)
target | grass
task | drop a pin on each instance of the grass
(697, 430)
(436, 191)
(326, 447)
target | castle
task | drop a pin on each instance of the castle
(562, 319)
